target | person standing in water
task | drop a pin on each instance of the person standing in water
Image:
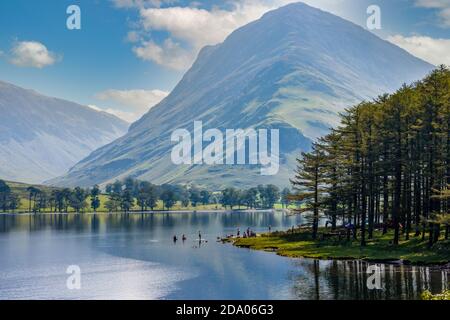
(175, 239)
(199, 236)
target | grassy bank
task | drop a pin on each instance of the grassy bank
(299, 244)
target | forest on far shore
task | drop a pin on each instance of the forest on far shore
(135, 195)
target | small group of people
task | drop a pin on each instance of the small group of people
(175, 238)
(184, 238)
(247, 234)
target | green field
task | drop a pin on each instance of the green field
(299, 244)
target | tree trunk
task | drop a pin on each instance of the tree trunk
(316, 202)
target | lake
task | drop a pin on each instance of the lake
(133, 256)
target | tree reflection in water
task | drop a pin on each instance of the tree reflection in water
(344, 280)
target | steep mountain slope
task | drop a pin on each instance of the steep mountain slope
(42, 137)
(294, 69)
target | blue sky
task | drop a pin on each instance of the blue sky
(130, 53)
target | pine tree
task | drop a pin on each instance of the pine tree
(387, 164)
(308, 182)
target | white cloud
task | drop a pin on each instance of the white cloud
(170, 54)
(32, 54)
(191, 28)
(435, 51)
(138, 99)
(442, 5)
(126, 116)
(200, 27)
(135, 102)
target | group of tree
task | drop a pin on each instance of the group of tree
(123, 195)
(130, 193)
(387, 166)
(60, 200)
(49, 199)
(9, 201)
(261, 197)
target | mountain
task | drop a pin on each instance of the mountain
(294, 69)
(42, 137)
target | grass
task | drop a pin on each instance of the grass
(427, 295)
(300, 244)
(280, 206)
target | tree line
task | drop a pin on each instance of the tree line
(60, 200)
(129, 193)
(261, 197)
(387, 166)
(123, 194)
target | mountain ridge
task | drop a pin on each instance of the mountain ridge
(42, 137)
(294, 69)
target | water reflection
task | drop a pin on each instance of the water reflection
(136, 221)
(138, 250)
(348, 280)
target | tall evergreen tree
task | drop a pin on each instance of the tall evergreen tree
(309, 184)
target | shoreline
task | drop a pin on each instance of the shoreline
(400, 262)
(298, 245)
(142, 212)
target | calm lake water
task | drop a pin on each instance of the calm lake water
(134, 257)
